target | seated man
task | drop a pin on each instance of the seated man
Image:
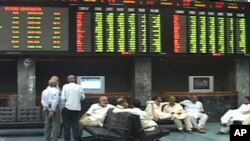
(239, 114)
(195, 108)
(121, 105)
(96, 114)
(147, 123)
(178, 114)
(154, 109)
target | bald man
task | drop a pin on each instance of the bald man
(195, 110)
(50, 102)
(96, 113)
(55, 78)
(178, 114)
(71, 97)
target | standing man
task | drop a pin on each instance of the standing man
(72, 94)
(56, 78)
(195, 110)
(50, 102)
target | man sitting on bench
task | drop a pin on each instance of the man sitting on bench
(96, 114)
(178, 115)
(230, 116)
(195, 110)
(154, 109)
(147, 123)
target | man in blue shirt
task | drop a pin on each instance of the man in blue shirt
(50, 102)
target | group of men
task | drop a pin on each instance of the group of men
(97, 112)
(66, 104)
(193, 114)
(174, 111)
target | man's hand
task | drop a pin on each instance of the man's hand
(51, 113)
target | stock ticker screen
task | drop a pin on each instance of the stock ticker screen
(129, 27)
(163, 27)
(33, 28)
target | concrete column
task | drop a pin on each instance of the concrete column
(26, 82)
(242, 79)
(143, 79)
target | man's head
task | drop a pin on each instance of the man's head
(194, 98)
(71, 79)
(122, 101)
(103, 101)
(52, 83)
(56, 78)
(247, 100)
(172, 100)
(137, 103)
(157, 99)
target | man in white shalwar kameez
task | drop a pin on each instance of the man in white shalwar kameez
(96, 113)
(195, 110)
(146, 121)
(178, 114)
(154, 109)
(239, 114)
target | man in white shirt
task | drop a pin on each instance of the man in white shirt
(56, 78)
(71, 97)
(96, 113)
(178, 114)
(146, 121)
(195, 110)
(154, 109)
(121, 105)
(50, 102)
(239, 114)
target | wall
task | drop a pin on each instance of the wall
(8, 76)
(172, 75)
(117, 71)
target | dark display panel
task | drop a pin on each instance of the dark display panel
(33, 28)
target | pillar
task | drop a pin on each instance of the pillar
(242, 79)
(26, 82)
(142, 79)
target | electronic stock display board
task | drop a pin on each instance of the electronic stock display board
(163, 27)
(148, 27)
(33, 28)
